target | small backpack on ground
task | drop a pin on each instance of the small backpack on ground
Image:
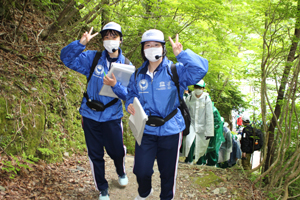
(258, 139)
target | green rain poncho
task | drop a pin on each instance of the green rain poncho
(218, 139)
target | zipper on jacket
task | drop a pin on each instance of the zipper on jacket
(158, 133)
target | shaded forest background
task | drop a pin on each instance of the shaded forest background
(252, 42)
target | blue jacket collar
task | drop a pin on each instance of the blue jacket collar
(105, 54)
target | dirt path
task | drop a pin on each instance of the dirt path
(72, 179)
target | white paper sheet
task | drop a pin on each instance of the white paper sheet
(122, 73)
(137, 121)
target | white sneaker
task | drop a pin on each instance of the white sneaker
(104, 195)
(123, 180)
(143, 198)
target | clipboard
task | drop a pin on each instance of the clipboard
(137, 122)
(122, 73)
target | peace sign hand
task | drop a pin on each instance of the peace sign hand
(177, 46)
(86, 37)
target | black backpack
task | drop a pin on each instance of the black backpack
(258, 139)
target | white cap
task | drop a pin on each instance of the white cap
(153, 35)
(201, 83)
(246, 118)
(112, 26)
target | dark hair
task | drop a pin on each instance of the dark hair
(198, 86)
(143, 54)
(111, 32)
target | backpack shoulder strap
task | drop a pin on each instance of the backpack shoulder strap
(254, 131)
(95, 61)
(175, 79)
(127, 61)
(115, 100)
(135, 74)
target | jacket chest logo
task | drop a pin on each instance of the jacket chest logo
(99, 70)
(162, 85)
(143, 84)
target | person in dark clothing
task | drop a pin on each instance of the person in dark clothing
(246, 143)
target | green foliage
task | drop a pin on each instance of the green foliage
(14, 166)
(46, 151)
(30, 158)
(226, 99)
(128, 138)
(229, 34)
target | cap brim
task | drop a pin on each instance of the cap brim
(153, 41)
(112, 30)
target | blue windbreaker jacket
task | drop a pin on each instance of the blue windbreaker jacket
(159, 96)
(73, 57)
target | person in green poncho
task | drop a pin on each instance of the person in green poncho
(212, 152)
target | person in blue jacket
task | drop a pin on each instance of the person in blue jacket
(102, 128)
(158, 95)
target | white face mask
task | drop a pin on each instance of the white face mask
(110, 45)
(198, 91)
(152, 52)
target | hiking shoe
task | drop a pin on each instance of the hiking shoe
(104, 195)
(143, 198)
(123, 180)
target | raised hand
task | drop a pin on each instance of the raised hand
(177, 46)
(86, 37)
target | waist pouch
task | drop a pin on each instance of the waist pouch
(99, 106)
(159, 121)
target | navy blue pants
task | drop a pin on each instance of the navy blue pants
(97, 136)
(166, 150)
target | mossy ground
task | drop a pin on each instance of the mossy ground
(205, 180)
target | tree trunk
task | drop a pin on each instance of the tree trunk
(64, 17)
(281, 91)
(105, 14)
